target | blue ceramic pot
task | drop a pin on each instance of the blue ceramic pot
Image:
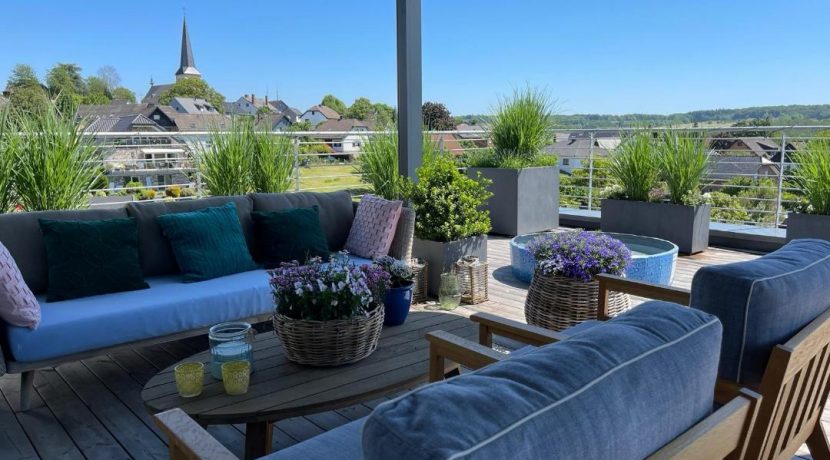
(396, 304)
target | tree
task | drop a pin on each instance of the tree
(333, 103)
(123, 94)
(361, 109)
(194, 87)
(110, 76)
(98, 92)
(385, 115)
(437, 117)
(66, 86)
(22, 76)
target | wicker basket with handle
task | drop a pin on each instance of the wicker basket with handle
(329, 343)
(557, 302)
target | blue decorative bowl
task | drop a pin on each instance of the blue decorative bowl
(652, 260)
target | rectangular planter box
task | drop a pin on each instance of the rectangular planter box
(685, 226)
(807, 226)
(524, 200)
(440, 257)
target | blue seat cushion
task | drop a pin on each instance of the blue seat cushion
(342, 442)
(635, 382)
(763, 303)
(168, 307)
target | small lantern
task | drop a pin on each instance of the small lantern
(472, 279)
(419, 288)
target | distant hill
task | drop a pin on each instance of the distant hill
(784, 115)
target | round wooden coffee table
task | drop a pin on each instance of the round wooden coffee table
(281, 389)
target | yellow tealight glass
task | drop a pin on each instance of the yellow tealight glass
(189, 379)
(236, 375)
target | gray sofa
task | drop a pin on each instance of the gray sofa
(169, 310)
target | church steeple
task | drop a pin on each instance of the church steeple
(187, 68)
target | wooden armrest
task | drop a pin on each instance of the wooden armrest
(489, 324)
(724, 434)
(188, 440)
(443, 346)
(726, 390)
(611, 283)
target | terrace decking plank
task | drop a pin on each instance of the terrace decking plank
(14, 444)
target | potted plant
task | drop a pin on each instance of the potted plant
(451, 221)
(328, 314)
(525, 182)
(563, 291)
(638, 205)
(398, 297)
(812, 175)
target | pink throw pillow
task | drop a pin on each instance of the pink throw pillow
(374, 227)
(18, 305)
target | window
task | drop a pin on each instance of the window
(566, 162)
(156, 117)
(356, 144)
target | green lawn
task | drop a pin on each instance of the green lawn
(317, 178)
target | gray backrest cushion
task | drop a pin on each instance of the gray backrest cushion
(634, 383)
(20, 234)
(763, 303)
(156, 254)
(336, 210)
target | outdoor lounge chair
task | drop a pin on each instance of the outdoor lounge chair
(776, 316)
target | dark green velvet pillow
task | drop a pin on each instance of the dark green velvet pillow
(287, 235)
(93, 257)
(207, 243)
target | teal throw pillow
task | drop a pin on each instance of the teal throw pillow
(93, 257)
(288, 235)
(207, 243)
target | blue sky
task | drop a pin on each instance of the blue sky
(611, 56)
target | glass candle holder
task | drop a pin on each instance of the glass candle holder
(449, 294)
(189, 379)
(230, 342)
(236, 376)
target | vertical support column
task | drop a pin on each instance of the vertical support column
(410, 143)
(296, 143)
(780, 194)
(591, 173)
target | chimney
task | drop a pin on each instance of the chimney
(253, 99)
(266, 99)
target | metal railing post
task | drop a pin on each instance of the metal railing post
(296, 164)
(781, 163)
(591, 173)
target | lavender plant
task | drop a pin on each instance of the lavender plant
(579, 254)
(329, 291)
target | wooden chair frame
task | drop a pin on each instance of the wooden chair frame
(795, 384)
(723, 434)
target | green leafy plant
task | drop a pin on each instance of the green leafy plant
(447, 202)
(8, 147)
(634, 166)
(521, 128)
(226, 160)
(812, 174)
(273, 162)
(683, 158)
(378, 164)
(174, 191)
(56, 165)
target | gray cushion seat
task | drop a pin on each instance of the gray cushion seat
(636, 382)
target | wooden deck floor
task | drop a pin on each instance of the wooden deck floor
(93, 409)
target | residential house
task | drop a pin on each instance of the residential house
(274, 121)
(282, 107)
(344, 136)
(574, 149)
(751, 157)
(192, 105)
(319, 114)
(249, 105)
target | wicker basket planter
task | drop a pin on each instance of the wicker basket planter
(329, 343)
(557, 302)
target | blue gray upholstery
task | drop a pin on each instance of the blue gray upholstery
(342, 442)
(763, 302)
(169, 306)
(636, 382)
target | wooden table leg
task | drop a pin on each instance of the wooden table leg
(257, 439)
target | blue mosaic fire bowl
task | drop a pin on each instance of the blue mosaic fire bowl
(652, 259)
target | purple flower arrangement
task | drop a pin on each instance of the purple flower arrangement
(334, 290)
(579, 254)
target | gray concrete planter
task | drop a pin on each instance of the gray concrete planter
(441, 256)
(524, 200)
(685, 226)
(807, 226)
